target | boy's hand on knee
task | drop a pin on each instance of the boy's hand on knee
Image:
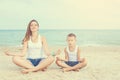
(82, 59)
(58, 52)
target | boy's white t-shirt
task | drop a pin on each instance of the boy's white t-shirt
(72, 55)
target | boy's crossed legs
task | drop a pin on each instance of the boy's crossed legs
(82, 63)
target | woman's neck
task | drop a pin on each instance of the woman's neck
(34, 37)
(34, 34)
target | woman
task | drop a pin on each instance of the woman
(33, 43)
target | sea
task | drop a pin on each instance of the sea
(57, 37)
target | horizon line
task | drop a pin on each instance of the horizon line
(62, 29)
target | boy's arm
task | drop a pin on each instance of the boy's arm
(78, 54)
(66, 56)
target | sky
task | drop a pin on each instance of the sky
(60, 14)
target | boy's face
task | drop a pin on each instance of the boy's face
(71, 40)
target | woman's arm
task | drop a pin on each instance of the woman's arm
(45, 46)
(22, 54)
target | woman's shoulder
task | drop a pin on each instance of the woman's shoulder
(25, 43)
(43, 38)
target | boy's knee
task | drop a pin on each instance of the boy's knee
(85, 62)
(58, 62)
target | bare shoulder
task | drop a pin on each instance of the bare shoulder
(65, 49)
(43, 38)
(25, 42)
(78, 49)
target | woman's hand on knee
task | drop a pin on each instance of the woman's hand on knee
(7, 53)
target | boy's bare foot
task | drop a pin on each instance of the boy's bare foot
(66, 69)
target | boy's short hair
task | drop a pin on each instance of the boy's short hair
(71, 35)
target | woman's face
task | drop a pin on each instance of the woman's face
(34, 27)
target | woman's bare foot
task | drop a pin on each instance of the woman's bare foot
(24, 71)
(76, 70)
(44, 69)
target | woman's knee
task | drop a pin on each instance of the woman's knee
(15, 59)
(51, 58)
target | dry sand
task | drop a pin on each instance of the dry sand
(103, 64)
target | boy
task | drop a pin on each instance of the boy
(72, 59)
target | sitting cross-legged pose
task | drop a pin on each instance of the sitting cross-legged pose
(72, 61)
(33, 44)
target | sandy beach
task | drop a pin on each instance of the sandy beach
(103, 63)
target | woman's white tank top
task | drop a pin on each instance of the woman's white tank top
(72, 55)
(35, 49)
